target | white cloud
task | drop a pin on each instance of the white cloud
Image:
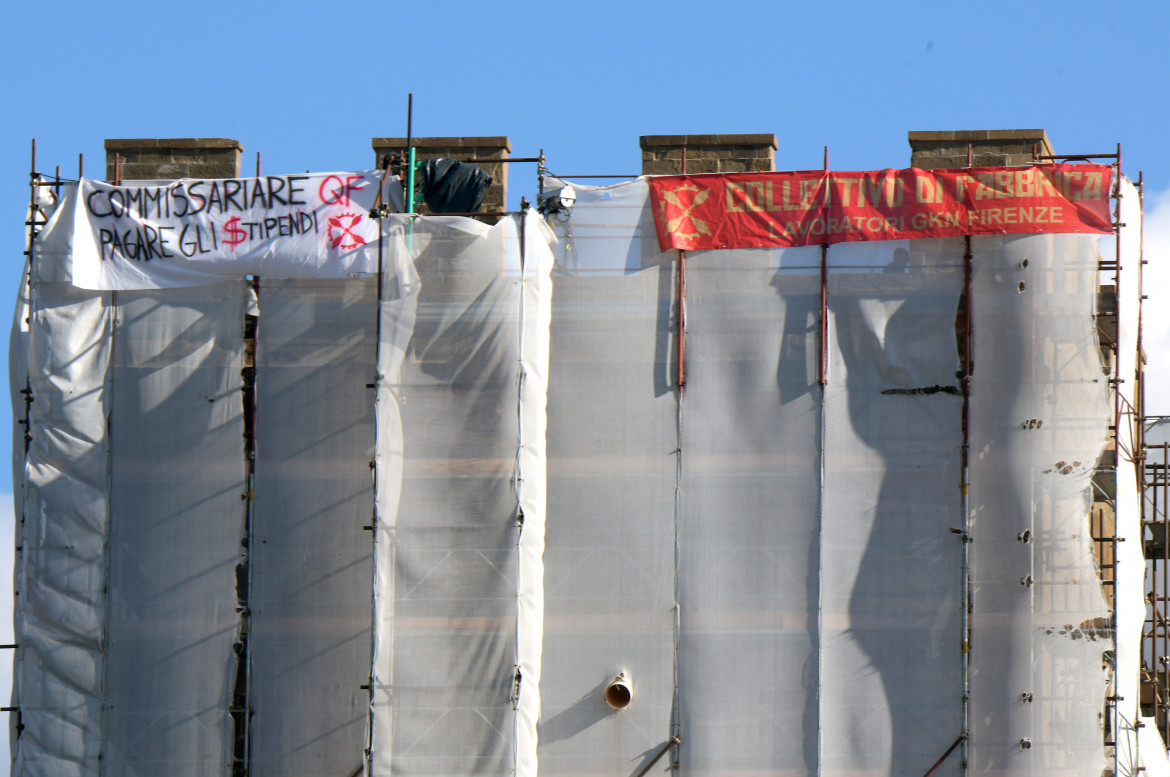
(1156, 310)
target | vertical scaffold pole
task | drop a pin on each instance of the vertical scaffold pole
(822, 370)
(1139, 390)
(409, 153)
(822, 380)
(1162, 489)
(31, 237)
(675, 704)
(965, 501)
(380, 211)
(17, 725)
(682, 302)
(242, 701)
(965, 536)
(1117, 225)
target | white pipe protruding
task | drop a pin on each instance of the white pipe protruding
(619, 693)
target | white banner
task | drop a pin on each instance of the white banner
(191, 232)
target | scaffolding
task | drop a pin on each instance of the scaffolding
(663, 304)
(1155, 693)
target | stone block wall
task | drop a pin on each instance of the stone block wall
(493, 147)
(166, 158)
(663, 154)
(989, 148)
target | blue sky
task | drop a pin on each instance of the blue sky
(308, 85)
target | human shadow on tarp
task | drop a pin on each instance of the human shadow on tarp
(797, 377)
(893, 327)
(895, 334)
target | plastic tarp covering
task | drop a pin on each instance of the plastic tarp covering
(460, 513)
(1041, 627)
(775, 567)
(60, 671)
(891, 581)
(825, 638)
(176, 521)
(749, 513)
(610, 556)
(17, 384)
(44, 206)
(1130, 558)
(1152, 750)
(451, 186)
(312, 558)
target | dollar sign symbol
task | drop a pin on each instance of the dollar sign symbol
(237, 235)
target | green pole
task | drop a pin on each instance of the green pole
(410, 180)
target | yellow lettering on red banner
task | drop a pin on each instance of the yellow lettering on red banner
(846, 189)
(985, 186)
(729, 190)
(1092, 190)
(923, 188)
(1003, 184)
(822, 207)
(1025, 183)
(808, 190)
(755, 199)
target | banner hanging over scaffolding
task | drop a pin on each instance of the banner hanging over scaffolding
(755, 210)
(191, 232)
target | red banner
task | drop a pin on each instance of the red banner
(749, 210)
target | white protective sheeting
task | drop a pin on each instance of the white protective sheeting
(458, 531)
(1152, 750)
(176, 521)
(530, 258)
(1131, 563)
(311, 557)
(60, 669)
(827, 640)
(749, 513)
(609, 557)
(17, 385)
(39, 211)
(891, 576)
(774, 566)
(1041, 627)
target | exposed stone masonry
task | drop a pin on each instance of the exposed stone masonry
(989, 148)
(663, 154)
(167, 158)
